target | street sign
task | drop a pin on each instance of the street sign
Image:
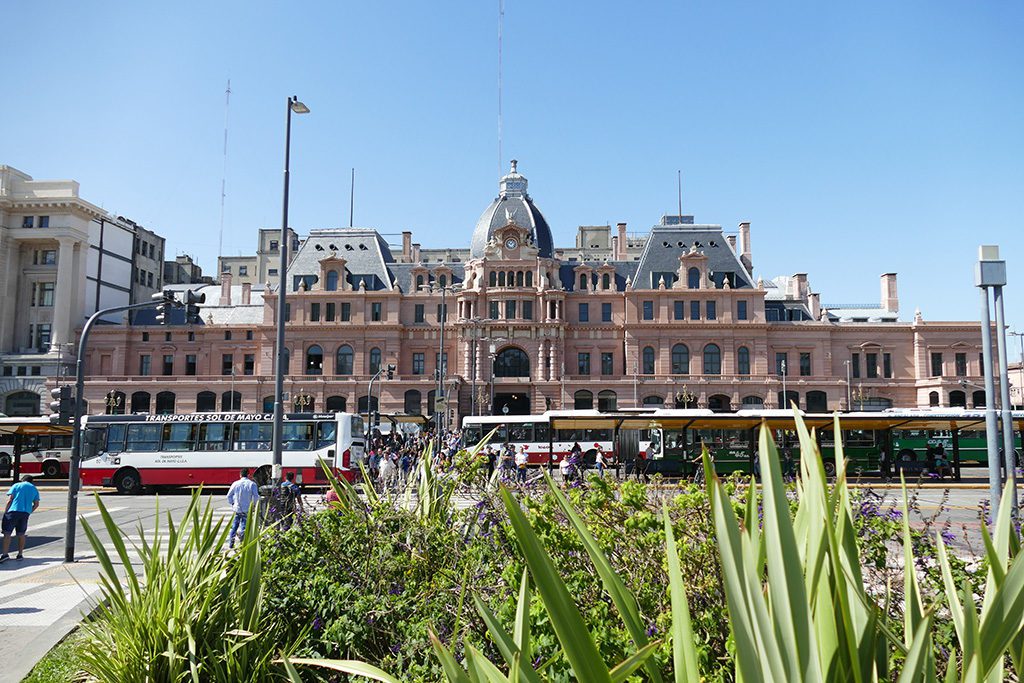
(440, 404)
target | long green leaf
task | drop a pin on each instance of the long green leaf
(626, 668)
(510, 650)
(454, 672)
(684, 648)
(345, 666)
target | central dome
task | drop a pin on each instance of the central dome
(512, 205)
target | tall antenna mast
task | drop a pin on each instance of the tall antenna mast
(679, 183)
(501, 21)
(224, 171)
(352, 198)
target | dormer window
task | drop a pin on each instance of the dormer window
(332, 281)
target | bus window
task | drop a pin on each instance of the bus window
(357, 427)
(500, 436)
(655, 447)
(327, 434)
(859, 438)
(597, 435)
(253, 436)
(471, 436)
(540, 432)
(520, 433)
(737, 438)
(115, 438)
(62, 441)
(214, 436)
(569, 435)
(143, 437)
(673, 439)
(180, 436)
(297, 436)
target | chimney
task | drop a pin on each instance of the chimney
(814, 303)
(798, 286)
(406, 246)
(225, 289)
(623, 242)
(731, 239)
(246, 293)
(615, 248)
(890, 298)
(745, 255)
(415, 253)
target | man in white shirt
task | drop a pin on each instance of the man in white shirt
(242, 495)
(599, 460)
(521, 459)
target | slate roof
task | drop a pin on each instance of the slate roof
(366, 254)
(623, 270)
(668, 242)
(235, 314)
(402, 273)
(512, 205)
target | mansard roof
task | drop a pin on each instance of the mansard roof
(668, 242)
(366, 255)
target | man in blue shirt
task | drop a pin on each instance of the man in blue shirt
(241, 496)
(22, 501)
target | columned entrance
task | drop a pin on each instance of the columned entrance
(517, 403)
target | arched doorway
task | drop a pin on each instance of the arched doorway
(719, 403)
(517, 403)
(817, 402)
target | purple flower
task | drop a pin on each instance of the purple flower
(652, 630)
(895, 514)
(948, 536)
(317, 624)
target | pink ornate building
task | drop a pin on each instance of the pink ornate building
(680, 322)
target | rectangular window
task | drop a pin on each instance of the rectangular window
(22, 371)
(145, 336)
(583, 363)
(694, 310)
(149, 279)
(44, 221)
(710, 311)
(287, 311)
(805, 364)
(871, 365)
(329, 311)
(144, 364)
(314, 313)
(417, 313)
(190, 364)
(227, 335)
(227, 364)
(606, 312)
(492, 310)
(510, 310)
(375, 311)
(46, 290)
(8, 371)
(741, 310)
(167, 336)
(607, 363)
(418, 364)
(584, 313)
(961, 364)
(242, 270)
(168, 364)
(273, 245)
(346, 312)
(936, 365)
(27, 221)
(36, 371)
(855, 365)
(648, 310)
(249, 364)
(48, 257)
(678, 310)
(887, 365)
(192, 336)
(527, 310)
(272, 272)
(981, 364)
(781, 364)
(438, 364)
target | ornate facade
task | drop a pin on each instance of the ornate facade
(680, 322)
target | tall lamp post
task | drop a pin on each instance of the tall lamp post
(282, 286)
(442, 365)
(849, 393)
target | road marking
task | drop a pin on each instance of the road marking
(57, 522)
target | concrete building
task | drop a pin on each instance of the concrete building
(62, 258)
(147, 262)
(261, 268)
(184, 271)
(674, 318)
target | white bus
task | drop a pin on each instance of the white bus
(533, 432)
(45, 449)
(130, 452)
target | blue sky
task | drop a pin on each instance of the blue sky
(858, 138)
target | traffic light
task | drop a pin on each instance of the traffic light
(62, 407)
(192, 301)
(391, 371)
(163, 310)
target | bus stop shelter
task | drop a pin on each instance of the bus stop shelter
(16, 430)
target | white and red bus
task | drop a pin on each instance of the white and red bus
(533, 431)
(44, 449)
(130, 452)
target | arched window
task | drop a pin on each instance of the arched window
(413, 401)
(22, 404)
(336, 404)
(978, 399)
(606, 281)
(789, 400)
(693, 278)
(374, 361)
(501, 279)
(719, 403)
(332, 281)
(231, 400)
(442, 280)
(511, 279)
(743, 360)
(680, 360)
(583, 283)
(583, 400)
(268, 404)
(712, 360)
(117, 405)
(165, 403)
(314, 360)
(607, 401)
(419, 282)
(817, 402)
(529, 278)
(519, 278)
(753, 402)
(206, 402)
(343, 360)
(957, 399)
(430, 402)
(654, 401)
(512, 362)
(933, 399)
(648, 360)
(140, 402)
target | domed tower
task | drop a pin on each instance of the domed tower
(512, 205)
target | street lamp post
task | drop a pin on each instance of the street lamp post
(849, 393)
(442, 366)
(299, 108)
(785, 395)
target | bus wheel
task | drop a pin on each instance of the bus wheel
(907, 455)
(262, 475)
(830, 468)
(51, 469)
(128, 482)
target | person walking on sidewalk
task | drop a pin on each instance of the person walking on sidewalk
(242, 495)
(22, 501)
